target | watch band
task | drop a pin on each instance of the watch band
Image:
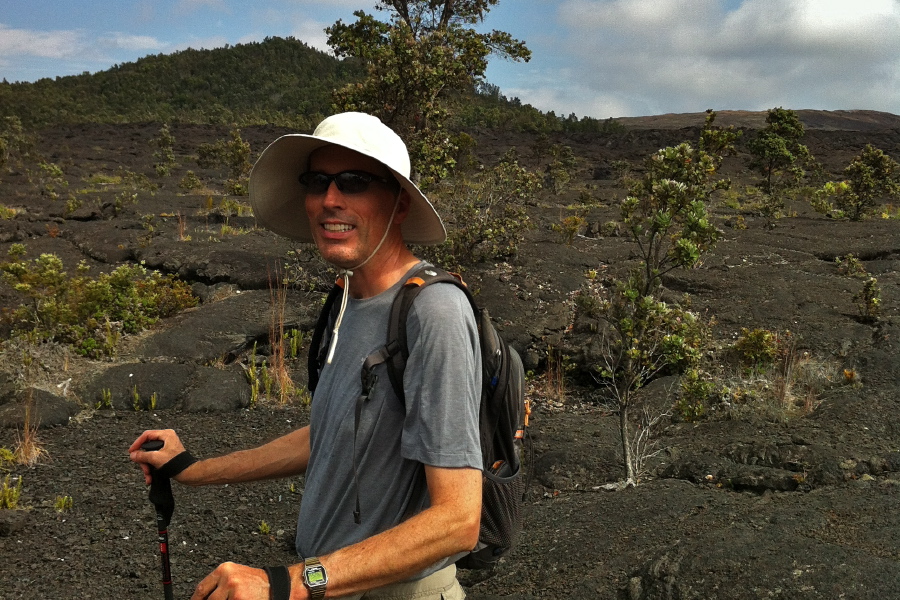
(279, 583)
(315, 578)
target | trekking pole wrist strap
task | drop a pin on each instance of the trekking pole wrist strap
(279, 582)
(177, 465)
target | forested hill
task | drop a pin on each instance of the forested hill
(276, 81)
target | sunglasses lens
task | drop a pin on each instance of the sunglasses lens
(316, 183)
(352, 183)
(348, 182)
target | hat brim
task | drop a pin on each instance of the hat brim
(277, 196)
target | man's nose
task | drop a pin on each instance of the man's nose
(333, 196)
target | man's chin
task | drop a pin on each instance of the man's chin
(340, 260)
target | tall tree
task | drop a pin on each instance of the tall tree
(416, 60)
(777, 152)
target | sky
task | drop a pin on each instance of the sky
(596, 58)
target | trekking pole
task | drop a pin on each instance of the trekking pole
(164, 502)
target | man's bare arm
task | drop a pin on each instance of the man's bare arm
(448, 526)
(282, 457)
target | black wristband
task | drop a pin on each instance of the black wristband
(177, 465)
(279, 583)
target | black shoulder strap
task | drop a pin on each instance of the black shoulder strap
(397, 342)
(397, 335)
(317, 350)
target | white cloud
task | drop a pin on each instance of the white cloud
(133, 43)
(689, 55)
(71, 45)
(313, 33)
(43, 44)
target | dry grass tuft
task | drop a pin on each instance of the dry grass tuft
(277, 368)
(28, 447)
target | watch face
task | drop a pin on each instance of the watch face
(315, 576)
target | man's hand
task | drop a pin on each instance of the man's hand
(172, 448)
(232, 581)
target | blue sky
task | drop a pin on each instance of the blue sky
(599, 58)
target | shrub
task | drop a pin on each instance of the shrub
(870, 178)
(52, 179)
(63, 504)
(7, 213)
(868, 299)
(758, 348)
(569, 227)
(9, 494)
(666, 213)
(696, 389)
(851, 266)
(559, 172)
(234, 155)
(645, 337)
(778, 154)
(16, 146)
(137, 182)
(90, 314)
(486, 214)
(190, 182)
(164, 154)
(790, 384)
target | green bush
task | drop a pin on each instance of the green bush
(9, 493)
(559, 172)
(569, 227)
(868, 299)
(485, 213)
(164, 154)
(696, 390)
(758, 348)
(90, 314)
(778, 155)
(851, 266)
(871, 177)
(666, 213)
(644, 338)
(232, 154)
(16, 146)
(190, 182)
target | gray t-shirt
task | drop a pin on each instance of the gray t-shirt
(438, 426)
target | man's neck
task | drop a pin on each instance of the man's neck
(379, 275)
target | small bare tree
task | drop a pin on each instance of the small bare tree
(644, 336)
(666, 216)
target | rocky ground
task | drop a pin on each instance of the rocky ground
(759, 500)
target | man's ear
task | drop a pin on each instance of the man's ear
(403, 204)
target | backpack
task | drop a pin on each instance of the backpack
(503, 414)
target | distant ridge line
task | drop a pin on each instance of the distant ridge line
(830, 120)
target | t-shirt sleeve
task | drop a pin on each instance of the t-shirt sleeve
(442, 381)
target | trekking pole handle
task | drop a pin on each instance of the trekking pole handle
(152, 445)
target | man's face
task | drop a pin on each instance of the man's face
(347, 227)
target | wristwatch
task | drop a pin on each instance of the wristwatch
(314, 578)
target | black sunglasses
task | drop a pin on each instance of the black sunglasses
(348, 182)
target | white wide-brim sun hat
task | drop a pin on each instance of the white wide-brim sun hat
(277, 196)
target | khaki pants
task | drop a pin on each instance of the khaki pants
(441, 585)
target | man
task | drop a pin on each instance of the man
(388, 505)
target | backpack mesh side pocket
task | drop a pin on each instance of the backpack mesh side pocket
(501, 519)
